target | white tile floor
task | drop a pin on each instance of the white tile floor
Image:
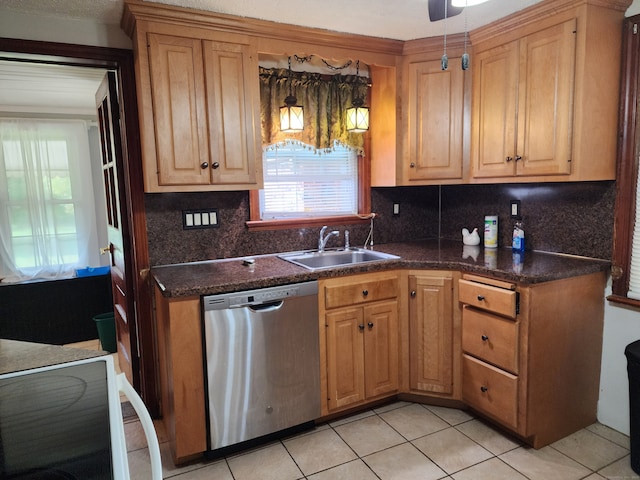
(401, 441)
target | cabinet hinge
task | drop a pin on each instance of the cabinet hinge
(635, 28)
(517, 303)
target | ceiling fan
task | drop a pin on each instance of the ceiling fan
(454, 7)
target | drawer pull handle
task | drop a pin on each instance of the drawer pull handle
(215, 165)
(204, 165)
(361, 326)
(484, 338)
(483, 389)
(413, 293)
(480, 298)
(365, 292)
(370, 324)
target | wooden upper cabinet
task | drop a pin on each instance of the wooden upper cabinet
(199, 105)
(178, 92)
(545, 93)
(435, 123)
(523, 105)
(231, 73)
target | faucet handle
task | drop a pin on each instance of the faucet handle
(346, 240)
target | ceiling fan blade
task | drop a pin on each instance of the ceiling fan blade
(436, 10)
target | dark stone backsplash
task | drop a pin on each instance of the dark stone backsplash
(574, 218)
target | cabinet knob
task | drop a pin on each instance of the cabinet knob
(215, 165)
(484, 338)
(370, 324)
(509, 159)
(483, 389)
(204, 165)
(361, 326)
(480, 298)
(412, 165)
(413, 293)
(518, 157)
(365, 293)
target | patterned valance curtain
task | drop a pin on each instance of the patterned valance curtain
(325, 100)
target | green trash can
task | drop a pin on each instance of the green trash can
(106, 324)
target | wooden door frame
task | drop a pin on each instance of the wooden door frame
(122, 61)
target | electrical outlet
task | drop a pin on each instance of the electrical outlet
(396, 209)
(515, 209)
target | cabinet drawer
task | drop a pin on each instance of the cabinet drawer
(490, 390)
(347, 294)
(490, 338)
(487, 297)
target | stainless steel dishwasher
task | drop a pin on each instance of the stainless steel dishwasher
(262, 361)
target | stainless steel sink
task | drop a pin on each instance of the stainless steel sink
(315, 260)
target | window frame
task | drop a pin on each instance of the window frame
(627, 168)
(364, 205)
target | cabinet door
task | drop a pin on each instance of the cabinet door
(179, 104)
(381, 348)
(233, 106)
(495, 90)
(431, 334)
(545, 106)
(435, 110)
(345, 357)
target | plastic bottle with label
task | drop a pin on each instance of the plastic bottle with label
(491, 231)
(517, 244)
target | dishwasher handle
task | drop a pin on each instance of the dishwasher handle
(267, 307)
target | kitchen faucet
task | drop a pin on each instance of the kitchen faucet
(322, 241)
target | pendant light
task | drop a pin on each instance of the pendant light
(358, 114)
(291, 115)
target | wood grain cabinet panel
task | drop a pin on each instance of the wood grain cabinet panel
(536, 373)
(493, 338)
(546, 93)
(435, 131)
(199, 106)
(491, 390)
(523, 105)
(359, 342)
(431, 333)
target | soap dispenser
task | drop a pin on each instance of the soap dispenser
(517, 244)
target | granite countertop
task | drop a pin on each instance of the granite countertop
(16, 356)
(228, 275)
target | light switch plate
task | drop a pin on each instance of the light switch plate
(198, 219)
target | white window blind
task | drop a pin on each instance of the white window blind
(634, 267)
(301, 183)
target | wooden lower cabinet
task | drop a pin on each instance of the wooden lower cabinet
(434, 332)
(181, 374)
(533, 368)
(359, 339)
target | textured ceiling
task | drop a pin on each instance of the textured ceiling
(399, 19)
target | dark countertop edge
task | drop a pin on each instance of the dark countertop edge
(586, 266)
(17, 356)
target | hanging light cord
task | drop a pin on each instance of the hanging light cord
(444, 61)
(465, 55)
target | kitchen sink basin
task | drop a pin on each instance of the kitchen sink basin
(315, 260)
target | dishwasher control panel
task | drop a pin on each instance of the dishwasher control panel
(258, 296)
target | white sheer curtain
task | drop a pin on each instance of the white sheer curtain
(47, 214)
